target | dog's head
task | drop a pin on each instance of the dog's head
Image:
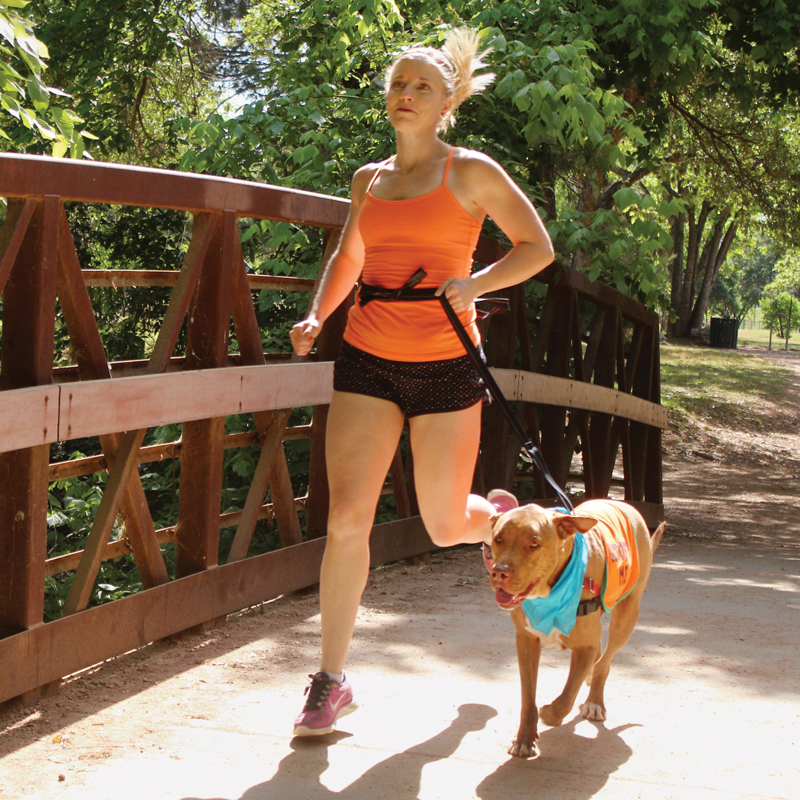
(531, 546)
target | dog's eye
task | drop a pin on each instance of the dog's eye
(533, 544)
(497, 540)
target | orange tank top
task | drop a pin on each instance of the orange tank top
(432, 232)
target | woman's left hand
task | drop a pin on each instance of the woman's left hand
(461, 293)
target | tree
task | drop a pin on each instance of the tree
(747, 271)
(131, 68)
(584, 113)
(25, 97)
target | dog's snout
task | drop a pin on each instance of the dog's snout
(501, 572)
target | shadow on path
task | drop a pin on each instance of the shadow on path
(572, 767)
(397, 777)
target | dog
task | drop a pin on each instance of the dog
(537, 573)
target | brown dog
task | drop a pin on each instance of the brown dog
(532, 549)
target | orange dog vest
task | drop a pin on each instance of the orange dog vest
(622, 555)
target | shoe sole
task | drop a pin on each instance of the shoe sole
(302, 730)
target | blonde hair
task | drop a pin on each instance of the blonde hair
(457, 62)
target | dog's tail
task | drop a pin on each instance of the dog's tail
(655, 539)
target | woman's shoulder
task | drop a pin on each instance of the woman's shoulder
(363, 177)
(474, 163)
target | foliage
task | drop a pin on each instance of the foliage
(745, 274)
(25, 97)
(781, 313)
(130, 68)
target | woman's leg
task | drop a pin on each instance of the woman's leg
(445, 448)
(361, 440)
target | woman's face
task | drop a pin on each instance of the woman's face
(416, 97)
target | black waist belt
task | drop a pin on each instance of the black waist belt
(407, 292)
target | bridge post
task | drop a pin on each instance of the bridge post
(26, 359)
(197, 533)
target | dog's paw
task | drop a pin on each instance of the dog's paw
(523, 748)
(593, 711)
(549, 716)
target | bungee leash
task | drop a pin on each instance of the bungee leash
(408, 292)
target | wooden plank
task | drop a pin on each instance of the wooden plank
(96, 407)
(159, 452)
(497, 452)
(23, 544)
(273, 470)
(329, 343)
(117, 278)
(200, 497)
(205, 228)
(26, 359)
(49, 652)
(28, 417)
(548, 390)
(399, 486)
(15, 226)
(273, 442)
(124, 463)
(98, 182)
(29, 303)
(283, 502)
(597, 292)
(79, 316)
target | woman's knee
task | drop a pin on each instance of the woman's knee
(444, 533)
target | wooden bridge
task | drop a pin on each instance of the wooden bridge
(584, 373)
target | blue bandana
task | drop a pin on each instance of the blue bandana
(558, 609)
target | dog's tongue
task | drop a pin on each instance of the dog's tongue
(503, 597)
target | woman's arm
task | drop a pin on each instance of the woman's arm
(483, 187)
(339, 274)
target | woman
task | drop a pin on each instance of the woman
(421, 209)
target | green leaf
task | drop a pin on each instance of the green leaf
(625, 198)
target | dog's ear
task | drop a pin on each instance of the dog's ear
(568, 524)
(493, 519)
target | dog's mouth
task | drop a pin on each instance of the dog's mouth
(509, 601)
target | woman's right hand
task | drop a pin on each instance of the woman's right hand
(303, 334)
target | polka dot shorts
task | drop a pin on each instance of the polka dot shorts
(417, 387)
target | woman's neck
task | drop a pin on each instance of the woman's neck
(413, 151)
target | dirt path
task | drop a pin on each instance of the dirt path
(704, 703)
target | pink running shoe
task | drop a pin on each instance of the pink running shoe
(327, 702)
(502, 500)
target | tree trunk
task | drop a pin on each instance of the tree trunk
(677, 228)
(718, 251)
(690, 273)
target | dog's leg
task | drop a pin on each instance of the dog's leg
(529, 648)
(580, 666)
(623, 620)
(620, 627)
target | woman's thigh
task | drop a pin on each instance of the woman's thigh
(361, 440)
(445, 449)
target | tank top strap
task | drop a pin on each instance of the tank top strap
(447, 165)
(378, 172)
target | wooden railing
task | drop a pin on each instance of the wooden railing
(588, 340)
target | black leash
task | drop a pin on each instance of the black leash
(407, 292)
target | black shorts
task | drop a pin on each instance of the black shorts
(417, 387)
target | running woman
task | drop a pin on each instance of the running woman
(422, 209)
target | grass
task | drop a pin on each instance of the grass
(723, 386)
(760, 338)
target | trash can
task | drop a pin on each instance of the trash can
(724, 332)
